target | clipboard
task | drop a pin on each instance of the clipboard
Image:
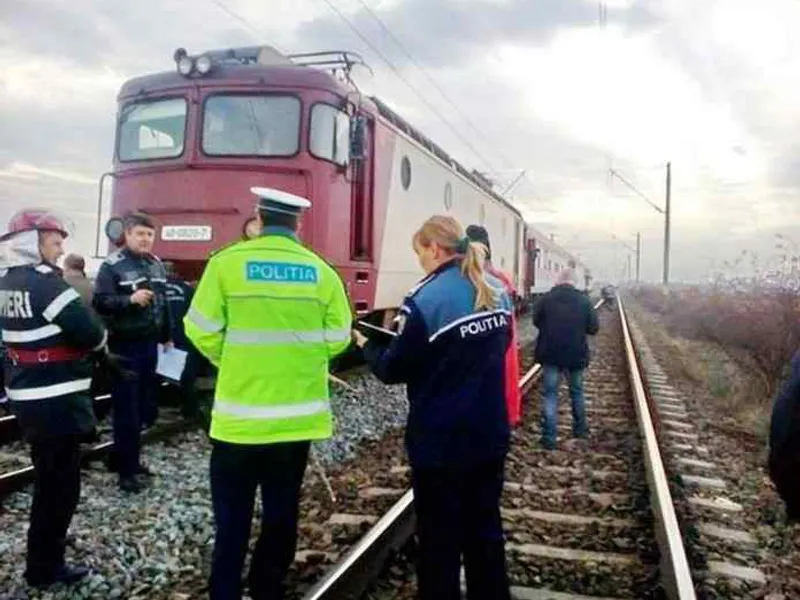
(171, 363)
(373, 332)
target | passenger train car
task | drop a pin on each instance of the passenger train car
(549, 260)
(191, 142)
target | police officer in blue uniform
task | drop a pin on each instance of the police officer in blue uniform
(784, 442)
(179, 297)
(51, 339)
(130, 294)
(453, 331)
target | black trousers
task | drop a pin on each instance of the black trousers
(236, 471)
(458, 513)
(56, 489)
(134, 402)
(783, 473)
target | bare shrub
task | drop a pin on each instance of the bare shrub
(757, 324)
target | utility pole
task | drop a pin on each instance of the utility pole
(638, 256)
(667, 212)
(667, 217)
(629, 267)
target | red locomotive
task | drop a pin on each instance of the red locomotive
(192, 141)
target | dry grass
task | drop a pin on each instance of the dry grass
(736, 396)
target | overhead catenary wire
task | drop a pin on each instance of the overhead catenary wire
(500, 61)
(387, 30)
(257, 36)
(408, 84)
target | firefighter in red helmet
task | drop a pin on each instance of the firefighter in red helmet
(51, 341)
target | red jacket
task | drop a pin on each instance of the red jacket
(513, 397)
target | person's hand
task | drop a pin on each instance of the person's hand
(142, 297)
(359, 338)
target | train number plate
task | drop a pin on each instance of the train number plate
(186, 233)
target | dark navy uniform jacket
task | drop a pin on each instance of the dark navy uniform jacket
(121, 274)
(48, 333)
(784, 434)
(179, 297)
(453, 362)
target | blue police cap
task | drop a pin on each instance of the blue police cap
(273, 200)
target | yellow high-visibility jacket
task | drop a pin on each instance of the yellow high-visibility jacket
(270, 314)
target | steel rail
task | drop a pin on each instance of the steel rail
(349, 578)
(676, 577)
(9, 429)
(14, 481)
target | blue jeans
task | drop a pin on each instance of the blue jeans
(550, 380)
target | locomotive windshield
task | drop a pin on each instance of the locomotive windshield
(249, 125)
(330, 134)
(154, 129)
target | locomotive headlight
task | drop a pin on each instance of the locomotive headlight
(203, 64)
(185, 66)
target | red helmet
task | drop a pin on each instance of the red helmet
(37, 220)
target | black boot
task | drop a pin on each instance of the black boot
(131, 485)
(63, 574)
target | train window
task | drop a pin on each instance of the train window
(249, 125)
(151, 130)
(329, 134)
(405, 172)
(448, 196)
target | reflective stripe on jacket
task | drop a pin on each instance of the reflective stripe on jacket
(270, 314)
(452, 358)
(43, 317)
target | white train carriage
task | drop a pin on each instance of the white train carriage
(550, 260)
(425, 181)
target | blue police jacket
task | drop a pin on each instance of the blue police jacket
(179, 297)
(49, 334)
(784, 440)
(452, 359)
(121, 274)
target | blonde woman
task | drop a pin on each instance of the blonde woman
(452, 335)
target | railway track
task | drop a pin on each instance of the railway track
(15, 479)
(16, 472)
(339, 515)
(597, 521)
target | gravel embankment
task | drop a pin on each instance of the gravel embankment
(152, 541)
(735, 439)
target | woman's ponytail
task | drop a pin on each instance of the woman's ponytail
(448, 233)
(472, 268)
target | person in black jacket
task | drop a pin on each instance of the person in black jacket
(179, 296)
(130, 294)
(564, 316)
(51, 340)
(784, 442)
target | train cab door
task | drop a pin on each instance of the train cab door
(362, 239)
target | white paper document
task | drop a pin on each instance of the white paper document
(171, 362)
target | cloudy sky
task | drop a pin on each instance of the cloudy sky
(544, 86)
